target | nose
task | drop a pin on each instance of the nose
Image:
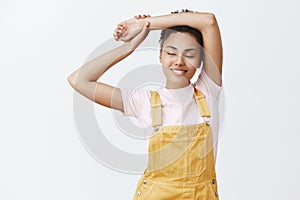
(179, 60)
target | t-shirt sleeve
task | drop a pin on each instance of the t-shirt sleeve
(204, 82)
(135, 101)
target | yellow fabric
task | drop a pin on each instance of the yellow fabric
(155, 108)
(201, 102)
(180, 162)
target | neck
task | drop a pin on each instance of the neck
(177, 85)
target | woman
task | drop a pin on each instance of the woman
(184, 116)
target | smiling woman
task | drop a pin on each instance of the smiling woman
(184, 116)
(180, 56)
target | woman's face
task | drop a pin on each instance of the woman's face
(180, 56)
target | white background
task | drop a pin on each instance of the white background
(42, 42)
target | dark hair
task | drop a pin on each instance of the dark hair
(165, 33)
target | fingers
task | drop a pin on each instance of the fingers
(119, 31)
(116, 37)
(142, 16)
(146, 27)
(147, 24)
(145, 30)
(120, 26)
(126, 28)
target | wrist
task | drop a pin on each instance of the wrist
(129, 46)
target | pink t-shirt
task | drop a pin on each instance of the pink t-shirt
(178, 106)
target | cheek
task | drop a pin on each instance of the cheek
(192, 71)
(194, 63)
(165, 61)
(190, 75)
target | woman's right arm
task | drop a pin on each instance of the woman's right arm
(84, 79)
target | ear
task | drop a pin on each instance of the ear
(160, 52)
(200, 64)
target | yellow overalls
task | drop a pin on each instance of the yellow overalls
(180, 159)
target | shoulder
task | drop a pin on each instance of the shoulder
(135, 94)
(207, 85)
(135, 100)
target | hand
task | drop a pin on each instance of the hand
(128, 29)
(139, 37)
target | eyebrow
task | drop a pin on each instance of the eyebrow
(190, 49)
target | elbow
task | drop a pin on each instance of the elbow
(211, 19)
(72, 80)
(206, 20)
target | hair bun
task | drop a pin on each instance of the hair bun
(181, 11)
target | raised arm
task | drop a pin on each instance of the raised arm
(206, 23)
(84, 79)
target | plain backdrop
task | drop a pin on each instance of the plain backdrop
(42, 42)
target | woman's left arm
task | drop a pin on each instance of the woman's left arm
(206, 23)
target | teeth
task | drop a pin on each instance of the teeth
(179, 71)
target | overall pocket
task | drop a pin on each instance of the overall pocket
(181, 155)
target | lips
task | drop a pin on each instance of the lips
(179, 72)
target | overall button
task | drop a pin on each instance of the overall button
(216, 193)
(139, 193)
(213, 181)
(156, 129)
(145, 181)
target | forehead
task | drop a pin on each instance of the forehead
(182, 41)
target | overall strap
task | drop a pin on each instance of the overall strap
(202, 104)
(155, 108)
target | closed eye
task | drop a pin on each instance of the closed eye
(189, 56)
(172, 54)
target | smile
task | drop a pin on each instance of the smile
(179, 72)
